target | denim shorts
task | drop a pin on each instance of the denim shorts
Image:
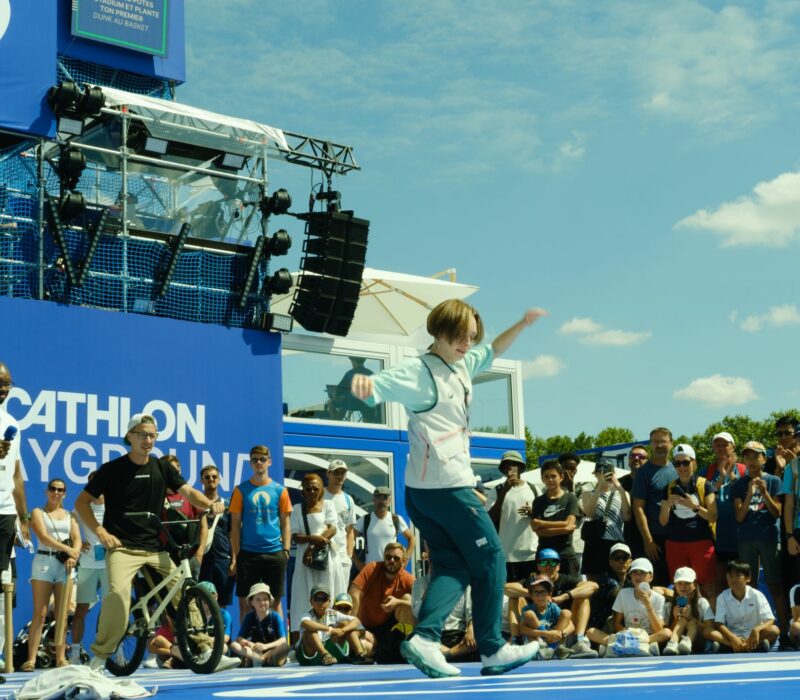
(48, 568)
(89, 580)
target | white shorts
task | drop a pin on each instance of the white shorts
(47, 568)
(89, 580)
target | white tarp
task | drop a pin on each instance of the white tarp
(165, 112)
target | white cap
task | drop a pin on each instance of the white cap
(140, 418)
(642, 564)
(620, 547)
(684, 450)
(685, 573)
(725, 436)
(337, 464)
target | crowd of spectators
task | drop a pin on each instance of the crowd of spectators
(661, 558)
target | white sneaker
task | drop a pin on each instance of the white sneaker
(97, 664)
(508, 657)
(426, 655)
(671, 649)
(150, 662)
(654, 649)
(205, 654)
(227, 662)
(545, 654)
(685, 646)
(582, 649)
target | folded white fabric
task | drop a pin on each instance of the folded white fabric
(80, 683)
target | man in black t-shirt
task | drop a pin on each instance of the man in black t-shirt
(554, 515)
(134, 483)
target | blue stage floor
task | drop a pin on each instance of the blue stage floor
(709, 677)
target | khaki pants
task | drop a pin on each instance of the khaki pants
(122, 565)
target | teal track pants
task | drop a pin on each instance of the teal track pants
(464, 549)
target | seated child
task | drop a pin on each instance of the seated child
(638, 608)
(691, 617)
(326, 635)
(262, 636)
(744, 618)
(344, 604)
(543, 620)
(794, 625)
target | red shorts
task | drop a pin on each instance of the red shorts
(699, 555)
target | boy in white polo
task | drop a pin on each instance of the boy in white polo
(743, 615)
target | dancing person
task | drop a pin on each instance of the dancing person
(436, 391)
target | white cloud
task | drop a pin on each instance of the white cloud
(769, 216)
(542, 366)
(716, 391)
(785, 315)
(579, 325)
(615, 337)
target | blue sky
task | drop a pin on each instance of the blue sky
(630, 166)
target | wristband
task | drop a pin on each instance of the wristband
(25, 518)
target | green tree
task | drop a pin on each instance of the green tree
(614, 436)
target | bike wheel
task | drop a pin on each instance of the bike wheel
(130, 651)
(200, 631)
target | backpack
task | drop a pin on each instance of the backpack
(361, 553)
(711, 472)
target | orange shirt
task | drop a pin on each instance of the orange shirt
(375, 587)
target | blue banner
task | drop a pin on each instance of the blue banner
(79, 374)
(140, 25)
(27, 64)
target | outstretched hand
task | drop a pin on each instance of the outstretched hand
(532, 315)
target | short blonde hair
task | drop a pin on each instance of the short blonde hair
(450, 320)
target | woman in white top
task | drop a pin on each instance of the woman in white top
(322, 519)
(59, 547)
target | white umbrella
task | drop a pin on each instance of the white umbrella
(391, 303)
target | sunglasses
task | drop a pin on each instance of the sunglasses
(321, 598)
(56, 489)
(637, 455)
(392, 557)
(549, 562)
(682, 462)
(259, 460)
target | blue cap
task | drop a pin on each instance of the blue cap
(343, 598)
(548, 554)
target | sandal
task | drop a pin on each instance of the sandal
(328, 660)
(28, 667)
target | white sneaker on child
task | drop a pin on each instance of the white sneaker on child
(150, 662)
(97, 664)
(508, 657)
(671, 649)
(426, 655)
(227, 662)
(685, 646)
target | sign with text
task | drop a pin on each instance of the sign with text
(140, 25)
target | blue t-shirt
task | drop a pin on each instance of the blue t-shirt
(547, 619)
(261, 526)
(727, 527)
(267, 630)
(227, 621)
(758, 523)
(792, 485)
(650, 485)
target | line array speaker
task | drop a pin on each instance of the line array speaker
(331, 269)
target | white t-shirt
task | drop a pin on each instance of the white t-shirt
(331, 618)
(740, 616)
(703, 609)
(7, 466)
(516, 535)
(634, 613)
(346, 510)
(381, 532)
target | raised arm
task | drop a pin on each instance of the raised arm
(503, 341)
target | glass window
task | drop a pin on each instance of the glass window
(487, 471)
(316, 386)
(364, 473)
(491, 409)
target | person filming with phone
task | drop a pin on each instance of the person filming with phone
(607, 509)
